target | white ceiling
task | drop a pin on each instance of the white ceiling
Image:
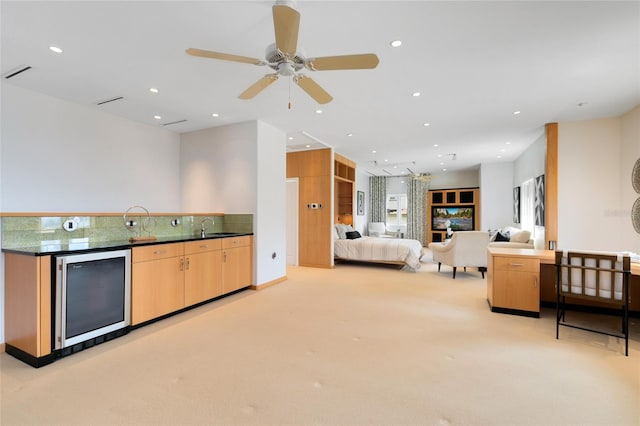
(474, 63)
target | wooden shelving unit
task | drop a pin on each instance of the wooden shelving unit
(344, 181)
(459, 197)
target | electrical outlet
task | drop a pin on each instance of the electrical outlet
(70, 225)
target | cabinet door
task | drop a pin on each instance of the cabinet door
(516, 290)
(157, 288)
(236, 268)
(203, 277)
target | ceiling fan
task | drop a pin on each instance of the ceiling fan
(285, 59)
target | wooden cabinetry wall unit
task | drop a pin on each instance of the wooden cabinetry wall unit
(319, 173)
(166, 278)
(344, 171)
(461, 197)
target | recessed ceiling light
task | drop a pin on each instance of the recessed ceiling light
(426, 124)
(396, 43)
(153, 90)
(290, 138)
(55, 49)
(507, 143)
(516, 112)
(307, 146)
(415, 94)
(386, 161)
(444, 170)
(435, 145)
(349, 134)
(499, 156)
(442, 164)
(157, 117)
(439, 155)
(215, 114)
(318, 111)
(374, 151)
(401, 182)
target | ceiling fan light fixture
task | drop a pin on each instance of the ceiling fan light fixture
(396, 43)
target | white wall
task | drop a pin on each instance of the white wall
(241, 168)
(59, 157)
(590, 186)
(496, 200)
(218, 169)
(271, 220)
(630, 154)
(462, 179)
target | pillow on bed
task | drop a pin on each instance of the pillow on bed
(336, 236)
(343, 229)
(352, 235)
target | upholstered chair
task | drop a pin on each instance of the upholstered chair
(465, 248)
(377, 229)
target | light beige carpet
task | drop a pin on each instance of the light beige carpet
(356, 345)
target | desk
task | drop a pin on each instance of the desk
(519, 279)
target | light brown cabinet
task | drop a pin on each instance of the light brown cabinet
(169, 277)
(236, 263)
(513, 284)
(157, 281)
(27, 308)
(203, 271)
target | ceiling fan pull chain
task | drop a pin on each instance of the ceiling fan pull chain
(290, 93)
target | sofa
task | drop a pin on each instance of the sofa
(510, 237)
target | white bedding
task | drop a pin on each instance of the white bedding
(373, 249)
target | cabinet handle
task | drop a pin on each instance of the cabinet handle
(225, 256)
(204, 246)
(535, 281)
(182, 264)
(159, 252)
(516, 264)
(187, 263)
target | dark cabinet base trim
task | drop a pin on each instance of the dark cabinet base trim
(510, 311)
(27, 358)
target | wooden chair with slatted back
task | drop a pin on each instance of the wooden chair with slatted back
(594, 276)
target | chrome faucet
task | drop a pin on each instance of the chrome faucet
(202, 231)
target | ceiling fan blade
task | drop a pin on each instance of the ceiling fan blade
(346, 62)
(313, 89)
(258, 86)
(224, 56)
(286, 22)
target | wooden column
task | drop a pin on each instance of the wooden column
(551, 183)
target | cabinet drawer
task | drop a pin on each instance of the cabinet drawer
(516, 264)
(194, 247)
(158, 251)
(236, 242)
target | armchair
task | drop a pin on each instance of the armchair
(377, 229)
(466, 248)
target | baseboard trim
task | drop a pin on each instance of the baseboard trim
(268, 283)
(2, 348)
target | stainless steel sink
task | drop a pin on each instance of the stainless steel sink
(221, 234)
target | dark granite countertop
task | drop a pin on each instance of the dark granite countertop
(90, 246)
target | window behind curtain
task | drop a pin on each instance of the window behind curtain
(396, 211)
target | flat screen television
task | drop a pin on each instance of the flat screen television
(457, 218)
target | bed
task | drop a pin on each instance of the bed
(377, 250)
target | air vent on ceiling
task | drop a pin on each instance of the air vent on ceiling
(174, 122)
(106, 101)
(17, 71)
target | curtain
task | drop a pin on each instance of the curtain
(416, 209)
(378, 199)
